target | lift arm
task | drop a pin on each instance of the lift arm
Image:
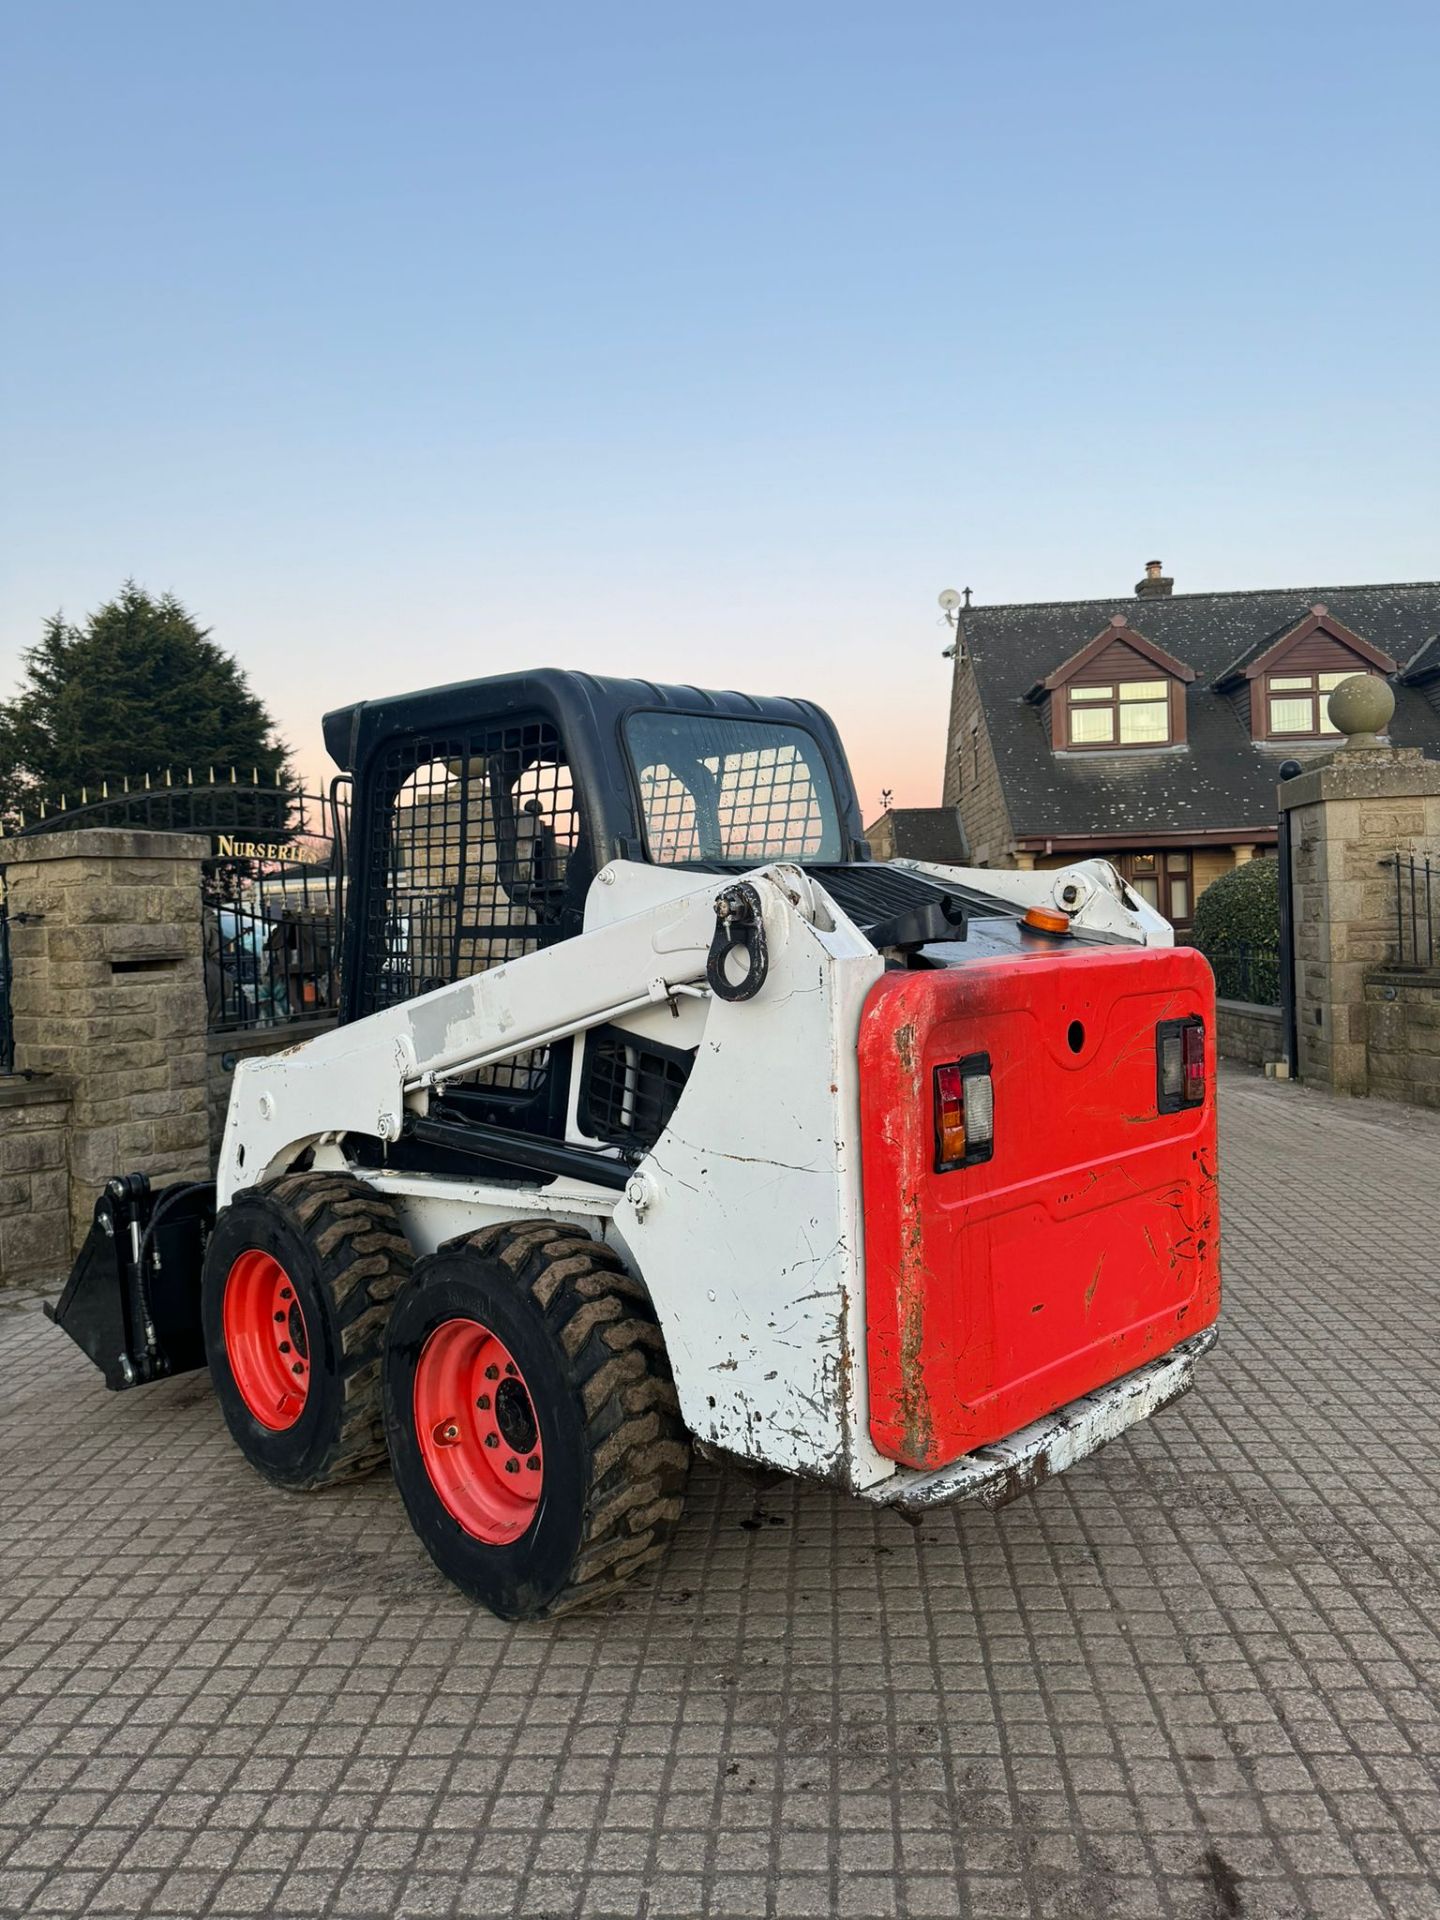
(1091, 892)
(363, 1078)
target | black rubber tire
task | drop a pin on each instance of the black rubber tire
(584, 1335)
(341, 1246)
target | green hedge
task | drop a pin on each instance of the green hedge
(1237, 928)
(1240, 909)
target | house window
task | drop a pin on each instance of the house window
(1126, 713)
(1296, 703)
(1164, 881)
(1177, 888)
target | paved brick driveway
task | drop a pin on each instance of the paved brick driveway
(1201, 1676)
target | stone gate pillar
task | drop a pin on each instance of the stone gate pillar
(1346, 816)
(109, 997)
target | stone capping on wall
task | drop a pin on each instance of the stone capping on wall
(244, 1041)
(1362, 773)
(104, 843)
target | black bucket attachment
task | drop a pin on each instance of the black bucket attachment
(132, 1302)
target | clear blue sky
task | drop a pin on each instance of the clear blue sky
(411, 342)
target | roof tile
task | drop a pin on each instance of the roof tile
(1220, 779)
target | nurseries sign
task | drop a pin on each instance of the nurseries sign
(315, 853)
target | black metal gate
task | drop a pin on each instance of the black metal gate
(273, 919)
(7, 1018)
(1417, 907)
(1289, 1023)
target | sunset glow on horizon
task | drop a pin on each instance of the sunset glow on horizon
(705, 348)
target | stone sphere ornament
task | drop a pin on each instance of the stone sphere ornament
(1361, 708)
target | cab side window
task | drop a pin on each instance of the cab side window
(471, 843)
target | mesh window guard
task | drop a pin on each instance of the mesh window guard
(631, 1087)
(714, 788)
(470, 841)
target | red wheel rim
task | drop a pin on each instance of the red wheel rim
(478, 1434)
(266, 1340)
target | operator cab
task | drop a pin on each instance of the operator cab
(482, 812)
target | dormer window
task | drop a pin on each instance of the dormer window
(1282, 686)
(1121, 693)
(1298, 703)
(1125, 713)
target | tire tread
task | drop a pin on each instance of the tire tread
(604, 1325)
(363, 1259)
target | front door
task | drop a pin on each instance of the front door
(1165, 881)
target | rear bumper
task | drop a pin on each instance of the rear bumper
(1000, 1473)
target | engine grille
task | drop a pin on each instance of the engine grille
(871, 890)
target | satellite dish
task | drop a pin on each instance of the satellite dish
(949, 600)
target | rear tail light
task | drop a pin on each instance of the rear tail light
(964, 1113)
(1180, 1064)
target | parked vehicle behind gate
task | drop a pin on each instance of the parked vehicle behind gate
(660, 1116)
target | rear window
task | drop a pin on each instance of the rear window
(713, 788)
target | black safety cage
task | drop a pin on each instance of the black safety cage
(471, 854)
(482, 812)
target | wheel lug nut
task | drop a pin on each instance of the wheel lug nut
(286, 1294)
(280, 1316)
(284, 1346)
(492, 1439)
(483, 1402)
(492, 1373)
(533, 1463)
(512, 1466)
(297, 1368)
(511, 1368)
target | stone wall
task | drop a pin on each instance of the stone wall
(109, 993)
(1403, 1035)
(972, 780)
(1247, 1032)
(35, 1234)
(1347, 816)
(224, 1052)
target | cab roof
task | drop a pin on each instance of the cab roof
(351, 732)
(589, 710)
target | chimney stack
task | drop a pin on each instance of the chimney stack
(1156, 585)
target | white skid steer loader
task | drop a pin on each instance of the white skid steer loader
(659, 1114)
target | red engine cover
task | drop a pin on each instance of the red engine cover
(1086, 1246)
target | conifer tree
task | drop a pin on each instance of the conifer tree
(138, 687)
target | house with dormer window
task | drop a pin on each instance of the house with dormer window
(1152, 732)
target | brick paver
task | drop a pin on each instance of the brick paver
(1198, 1677)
